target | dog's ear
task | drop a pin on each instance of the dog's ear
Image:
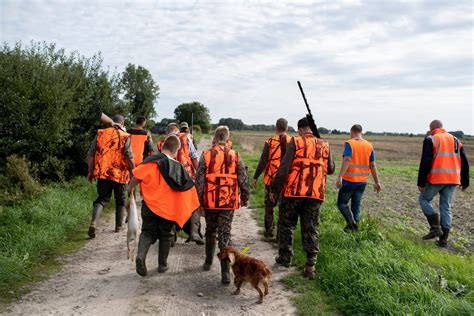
(231, 258)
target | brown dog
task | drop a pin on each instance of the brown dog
(247, 269)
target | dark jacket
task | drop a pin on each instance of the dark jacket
(427, 161)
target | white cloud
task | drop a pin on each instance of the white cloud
(392, 65)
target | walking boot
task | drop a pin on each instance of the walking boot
(435, 228)
(225, 272)
(95, 216)
(349, 217)
(210, 250)
(143, 245)
(282, 262)
(195, 225)
(443, 240)
(163, 252)
(119, 213)
(310, 272)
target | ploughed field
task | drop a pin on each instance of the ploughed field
(397, 205)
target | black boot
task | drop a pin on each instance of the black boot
(435, 228)
(225, 272)
(95, 216)
(443, 240)
(195, 226)
(119, 213)
(349, 217)
(163, 252)
(143, 245)
(210, 250)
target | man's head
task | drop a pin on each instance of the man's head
(356, 131)
(184, 126)
(303, 126)
(171, 145)
(221, 135)
(436, 124)
(141, 121)
(172, 129)
(119, 119)
(281, 125)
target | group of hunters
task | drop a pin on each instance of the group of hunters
(178, 186)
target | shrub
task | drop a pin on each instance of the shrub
(18, 171)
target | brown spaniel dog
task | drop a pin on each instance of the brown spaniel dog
(247, 269)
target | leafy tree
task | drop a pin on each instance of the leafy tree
(140, 92)
(50, 105)
(183, 113)
(323, 130)
(233, 124)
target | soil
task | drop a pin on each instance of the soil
(99, 280)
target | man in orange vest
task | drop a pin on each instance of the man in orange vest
(358, 162)
(273, 152)
(443, 167)
(222, 186)
(184, 128)
(169, 198)
(301, 179)
(188, 157)
(110, 161)
(142, 143)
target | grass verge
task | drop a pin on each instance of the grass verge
(34, 232)
(378, 270)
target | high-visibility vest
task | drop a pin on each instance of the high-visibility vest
(276, 151)
(307, 175)
(138, 137)
(359, 166)
(109, 160)
(183, 155)
(221, 189)
(161, 199)
(446, 165)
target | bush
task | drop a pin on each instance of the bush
(18, 171)
(196, 129)
(50, 104)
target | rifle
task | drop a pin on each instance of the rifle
(309, 116)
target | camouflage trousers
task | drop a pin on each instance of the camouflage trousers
(269, 211)
(308, 212)
(218, 226)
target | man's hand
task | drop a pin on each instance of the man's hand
(377, 188)
(254, 183)
(339, 182)
(422, 189)
(244, 203)
(201, 211)
(464, 188)
(272, 197)
(90, 176)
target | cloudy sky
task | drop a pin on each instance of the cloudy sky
(388, 65)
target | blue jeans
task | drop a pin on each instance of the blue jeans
(353, 194)
(446, 193)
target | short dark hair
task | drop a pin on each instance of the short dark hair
(281, 125)
(303, 123)
(117, 118)
(356, 128)
(172, 143)
(140, 120)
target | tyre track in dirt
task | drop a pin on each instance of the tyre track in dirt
(99, 280)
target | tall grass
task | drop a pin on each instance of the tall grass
(377, 270)
(32, 231)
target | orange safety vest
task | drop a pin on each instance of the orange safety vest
(221, 188)
(109, 160)
(161, 199)
(359, 167)
(446, 165)
(307, 175)
(183, 155)
(276, 151)
(138, 137)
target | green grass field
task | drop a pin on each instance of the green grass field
(36, 231)
(382, 269)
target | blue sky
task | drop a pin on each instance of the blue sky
(388, 65)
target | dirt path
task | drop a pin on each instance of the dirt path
(98, 280)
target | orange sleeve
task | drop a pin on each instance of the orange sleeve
(143, 172)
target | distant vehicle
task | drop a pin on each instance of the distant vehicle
(158, 129)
